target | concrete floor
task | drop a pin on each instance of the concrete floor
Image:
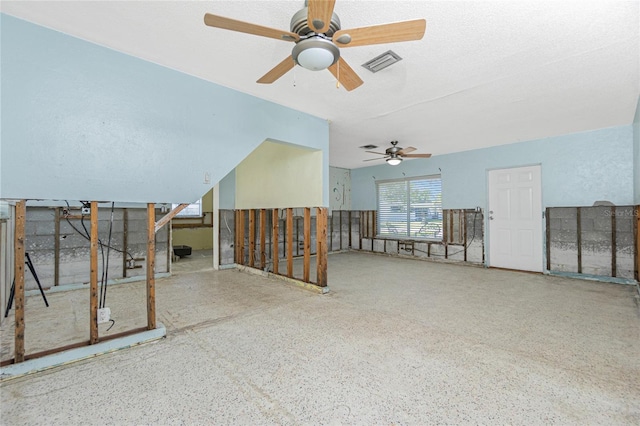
(397, 341)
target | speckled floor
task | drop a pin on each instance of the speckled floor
(396, 342)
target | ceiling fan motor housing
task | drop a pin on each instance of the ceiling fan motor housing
(299, 24)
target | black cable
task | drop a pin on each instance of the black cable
(87, 237)
(106, 277)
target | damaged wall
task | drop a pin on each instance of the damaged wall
(61, 255)
(592, 240)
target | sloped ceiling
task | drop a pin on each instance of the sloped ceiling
(486, 73)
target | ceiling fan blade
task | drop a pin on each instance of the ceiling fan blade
(319, 14)
(345, 75)
(379, 153)
(278, 71)
(245, 27)
(416, 155)
(374, 159)
(378, 34)
(406, 150)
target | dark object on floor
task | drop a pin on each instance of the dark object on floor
(182, 251)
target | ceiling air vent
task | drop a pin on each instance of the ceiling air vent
(382, 61)
(369, 146)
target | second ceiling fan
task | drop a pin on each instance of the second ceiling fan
(318, 37)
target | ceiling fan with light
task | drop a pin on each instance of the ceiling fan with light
(318, 37)
(395, 154)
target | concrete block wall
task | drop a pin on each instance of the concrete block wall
(591, 240)
(74, 248)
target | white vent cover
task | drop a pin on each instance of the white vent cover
(381, 62)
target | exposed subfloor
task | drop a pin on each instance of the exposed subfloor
(397, 341)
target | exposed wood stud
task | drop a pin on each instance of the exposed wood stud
(548, 237)
(236, 239)
(450, 240)
(93, 278)
(321, 246)
(151, 266)
(307, 244)
(252, 238)
(263, 238)
(613, 242)
(241, 228)
(170, 247)
(56, 248)
(350, 225)
(463, 229)
(125, 242)
(290, 242)
(579, 238)
(18, 247)
(166, 218)
(275, 240)
(636, 233)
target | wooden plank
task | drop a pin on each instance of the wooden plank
(579, 238)
(151, 266)
(321, 246)
(236, 240)
(93, 277)
(548, 237)
(290, 242)
(125, 242)
(275, 240)
(252, 238)
(56, 247)
(636, 231)
(307, 244)
(263, 238)
(18, 259)
(613, 242)
(166, 218)
(241, 228)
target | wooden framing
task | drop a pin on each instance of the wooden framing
(252, 238)
(166, 218)
(151, 266)
(290, 242)
(263, 238)
(275, 240)
(307, 244)
(18, 246)
(321, 246)
(93, 277)
(56, 248)
(240, 243)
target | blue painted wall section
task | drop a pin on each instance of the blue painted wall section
(636, 154)
(81, 121)
(577, 170)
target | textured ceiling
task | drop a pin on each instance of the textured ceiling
(486, 73)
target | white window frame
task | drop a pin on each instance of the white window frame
(410, 219)
(192, 210)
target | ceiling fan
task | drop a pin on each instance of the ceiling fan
(395, 154)
(318, 37)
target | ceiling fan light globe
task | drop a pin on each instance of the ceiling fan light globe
(394, 161)
(315, 54)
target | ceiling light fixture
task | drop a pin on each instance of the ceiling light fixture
(315, 53)
(394, 160)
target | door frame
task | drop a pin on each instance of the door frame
(487, 236)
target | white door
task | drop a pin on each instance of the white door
(515, 218)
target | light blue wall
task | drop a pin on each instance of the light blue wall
(636, 154)
(80, 121)
(577, 170)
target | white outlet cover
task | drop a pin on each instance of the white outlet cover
(104, 315)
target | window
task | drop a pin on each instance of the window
(410, 208)
(192, 210)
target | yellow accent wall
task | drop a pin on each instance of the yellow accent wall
(200, 238)
(278, 175)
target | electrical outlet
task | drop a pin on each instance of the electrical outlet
(478, 209)
(86, 210)
(104, 315)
